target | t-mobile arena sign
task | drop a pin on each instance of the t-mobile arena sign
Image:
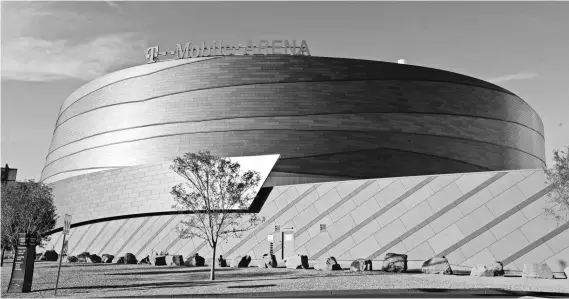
(217, 48)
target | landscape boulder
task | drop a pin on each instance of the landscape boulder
(145, 260)
(537, 271)
(158, 260)
(394, 262)
(72, 259)
(49, 255)
(129, 258)
(195, 260)
(221, 262)
(358, 265)
(120, 260)
(369, 265)
(84, 257)
(330, 264)
(241, 261)
(169, 260)
(296, 262)
(437, 265)
(488, 270)
(107, 258)
(268, 261)
(95, 258)
(174, 260)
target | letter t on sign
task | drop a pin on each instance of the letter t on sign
(152, 54)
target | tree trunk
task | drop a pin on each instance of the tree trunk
(2, 262)
(213, 263)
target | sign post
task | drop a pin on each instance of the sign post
(287, 244)
(270, 238)
(23, 266)
(66, 228)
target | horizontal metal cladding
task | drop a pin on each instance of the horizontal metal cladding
(245, 70)
(471, 128)
(332, 114)
(298, 144)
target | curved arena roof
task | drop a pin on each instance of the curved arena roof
(328, 118)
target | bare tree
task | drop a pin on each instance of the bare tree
(558, 178)
(27, 207)
(218, 193)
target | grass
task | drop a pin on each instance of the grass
(112, 280)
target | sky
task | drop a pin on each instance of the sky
(49, 49)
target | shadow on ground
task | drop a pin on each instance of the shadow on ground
(390, 293)
(171, 284)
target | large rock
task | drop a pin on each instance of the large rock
(95, 258)
(241, 261)
(72, 259)
(437, 265)
(174, 260)
(158, 260)
(169, 260)
(221, 262)
(195, 260)
(304, 261)
(358, 265)
(268, 261)
(49, 255)
(120, 260)
(537, 271)
(84, 257)
(394, 262)
(296, 262)
(129, 258)
(369, 265)
(330, 264)
(145, 260)
(107, 258)
(488, 270)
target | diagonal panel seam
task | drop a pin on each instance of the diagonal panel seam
(437, 214)
(274, 217)
(174, 242)
(283, 210)
(97, 236)
(494, 222)
(374, 216)
(198, 248)
(113, 235)
(520, 253)
(81, 239)
(155, 234)
(331, 209)
(57, 241)
(132, 235)
(276, 197)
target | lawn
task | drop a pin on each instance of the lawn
(113, 280)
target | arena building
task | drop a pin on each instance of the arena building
(374, 157)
